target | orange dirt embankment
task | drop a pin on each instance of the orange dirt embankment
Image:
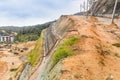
(95, 57)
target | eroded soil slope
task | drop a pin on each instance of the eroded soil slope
(95, 57)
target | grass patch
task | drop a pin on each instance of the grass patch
(64, 50)
(36, 54)
(12, 70)
(71, 41)
(116, 44)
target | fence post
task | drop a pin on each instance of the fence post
(114, 10)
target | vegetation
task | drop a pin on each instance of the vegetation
(36, 54)
(14, 69)
(26, 33)
(11, 28)
(64, 50)
(26, 37)
(30, 33)
(116, 44)
(71, 41)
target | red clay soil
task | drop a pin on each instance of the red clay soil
(95, 57)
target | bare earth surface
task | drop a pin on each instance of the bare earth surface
(95, 57)
(9, 61)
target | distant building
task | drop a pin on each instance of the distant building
(7, 38)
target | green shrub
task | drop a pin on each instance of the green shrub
(116, 44)
(71, 41)
(64, 50)
(36, 54)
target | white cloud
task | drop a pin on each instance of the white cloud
(31, 12)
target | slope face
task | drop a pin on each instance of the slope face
(52, 37)
(56, 32)
(95, 57)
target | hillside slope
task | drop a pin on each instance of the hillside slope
(25, 33)
(95, 57)
(76, 48)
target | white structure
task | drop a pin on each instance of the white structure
(6, 38)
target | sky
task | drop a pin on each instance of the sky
(32, 12)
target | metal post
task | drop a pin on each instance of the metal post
(87, 8)
(114, 10)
